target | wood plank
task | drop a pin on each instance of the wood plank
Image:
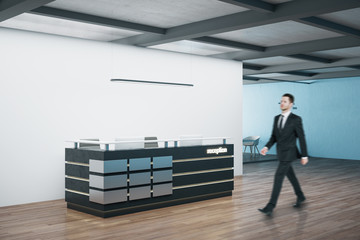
(332, 211)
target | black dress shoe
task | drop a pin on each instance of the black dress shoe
(267, 211)
(299, 201)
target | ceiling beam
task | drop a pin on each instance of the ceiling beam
(256, 5)
(311, 58)
(330, 75)
(299, 73)
(250, 78)
(330, 26)
(305, 66)
(12, 8)
(327, 75)
(86, 18)
(293, 48)
(340, 74)
(228, 43)
(253, 66)
(355, 67)
(285, 11)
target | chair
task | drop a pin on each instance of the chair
(151, 144)
(252, 142)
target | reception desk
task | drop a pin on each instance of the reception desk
(108, 183)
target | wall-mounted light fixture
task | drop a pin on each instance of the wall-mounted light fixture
(292, 107)
(152, 82)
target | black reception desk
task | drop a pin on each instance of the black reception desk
(110, 183)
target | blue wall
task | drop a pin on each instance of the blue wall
(330, 110)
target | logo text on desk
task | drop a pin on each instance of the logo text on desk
(216, 150)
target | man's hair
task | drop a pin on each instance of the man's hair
(290, 96)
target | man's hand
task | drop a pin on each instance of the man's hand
(264, 151)
(304, 160)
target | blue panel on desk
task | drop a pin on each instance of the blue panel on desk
(107, 182)
(110, 166)
(162, 162)
(108, 196)
(140, 192)
(140, 178)
(139, 164)
(162, 176)
(115, 166)
(162, 189)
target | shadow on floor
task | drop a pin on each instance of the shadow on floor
(248, 158)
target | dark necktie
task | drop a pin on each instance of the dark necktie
(281, 122)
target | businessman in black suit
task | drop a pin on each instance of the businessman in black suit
(286, 129)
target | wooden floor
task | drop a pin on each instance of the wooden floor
(332, 211)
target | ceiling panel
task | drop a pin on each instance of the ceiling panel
(157, 13)
(340, 53)
(270, 75)
(271, 61)
(337, 69)
(246, 82)
(193, 48)
(350, 18)
(289, 78)
(277, 34)
(37, 23)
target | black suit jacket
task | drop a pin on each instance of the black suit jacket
(286, 139)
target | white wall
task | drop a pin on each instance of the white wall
(54, 89)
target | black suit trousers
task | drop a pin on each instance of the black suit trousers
(284, 169)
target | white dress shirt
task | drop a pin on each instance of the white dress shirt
(285, 117)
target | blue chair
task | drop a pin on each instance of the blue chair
(252, 142)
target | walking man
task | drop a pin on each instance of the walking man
(286, 129)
